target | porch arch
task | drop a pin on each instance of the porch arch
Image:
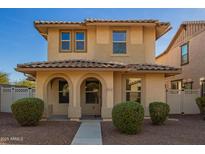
(87, 76)
(46, 92)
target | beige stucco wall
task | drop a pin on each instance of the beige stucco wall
(75, 78)
(154, 87)
(140, 44)
(53, 99)
(113, 90)
(195, 69)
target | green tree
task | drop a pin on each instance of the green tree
(4, 78)
(30, 84)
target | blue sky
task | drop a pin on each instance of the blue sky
(20, 42)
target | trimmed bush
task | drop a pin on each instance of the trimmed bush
(28, 111)
(158, 112)
(128, 117)
(200, 101)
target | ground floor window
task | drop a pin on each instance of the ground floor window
(63, 91)
(177, 84)
(133, 89)
(187, 85)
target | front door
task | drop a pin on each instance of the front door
(92, 98)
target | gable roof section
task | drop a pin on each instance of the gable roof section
(181, 27)
(161, 27)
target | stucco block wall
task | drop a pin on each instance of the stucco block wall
(140, 45)
(195, 69)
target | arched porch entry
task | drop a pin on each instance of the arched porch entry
(92, 95)
(57, 95)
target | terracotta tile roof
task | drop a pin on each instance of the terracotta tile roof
(42, 25)
(194, 22)
(150, 67)
(74, 63)
(41, 22)
(90, 20)
(96, 64)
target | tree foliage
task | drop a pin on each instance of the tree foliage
(4, 78)
(26, 83)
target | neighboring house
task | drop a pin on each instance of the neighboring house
(186, 50)
(96, 64)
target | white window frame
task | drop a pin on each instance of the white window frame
(63, 50)
(80, 41)
(119, 41)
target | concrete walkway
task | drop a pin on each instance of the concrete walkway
(89, 133)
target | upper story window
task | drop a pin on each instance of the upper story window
(184, 54)
(119, 42)
(65, 41)
(80, 41)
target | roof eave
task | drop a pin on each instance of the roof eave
(45, 27)
(172, 41)
(167, 30)
(33, 71)
(37, 28)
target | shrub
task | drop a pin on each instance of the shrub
(200, 101)
(28, 111)
(158, 112)
(128, 117)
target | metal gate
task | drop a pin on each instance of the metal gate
(182, 101)
(11, 94)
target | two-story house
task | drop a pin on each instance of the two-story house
(186, 50)
(94, 64)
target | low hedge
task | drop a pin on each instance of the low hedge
(128, 117)
(28, 111)
(200, 101)
(158, 112)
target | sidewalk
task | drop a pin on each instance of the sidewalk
(89, 133)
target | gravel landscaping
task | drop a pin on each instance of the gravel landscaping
(47, 132)
(189, 129)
